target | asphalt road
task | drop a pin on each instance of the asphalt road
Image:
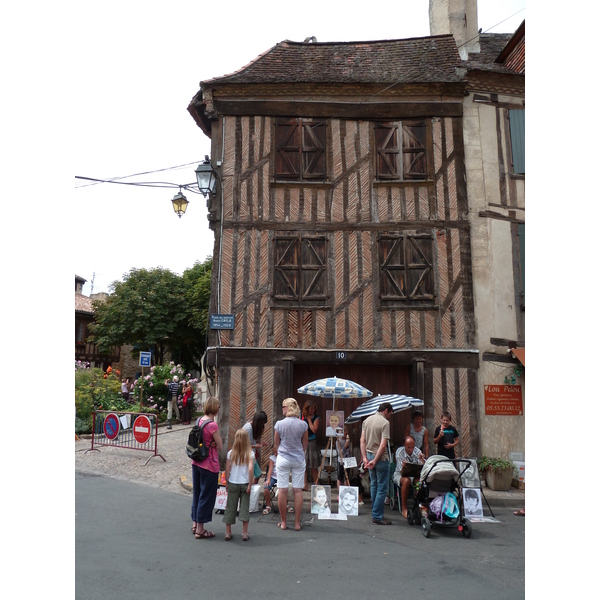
(134, 542)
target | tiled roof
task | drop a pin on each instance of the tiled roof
(491, 45)
(83, 304)
(431, 59)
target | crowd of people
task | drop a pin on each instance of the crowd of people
(294, 454)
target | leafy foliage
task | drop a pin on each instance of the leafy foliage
(155, 309)
(96, 390)
(494, 464)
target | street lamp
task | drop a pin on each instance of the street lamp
(207, 178)
(180, 203)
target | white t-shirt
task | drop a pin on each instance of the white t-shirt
(238, 473)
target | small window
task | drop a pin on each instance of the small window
(406, 269)
(405, 162)
(300, 269)
(300, 146)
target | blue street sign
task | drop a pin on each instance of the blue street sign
(222, 321)
(145, 358)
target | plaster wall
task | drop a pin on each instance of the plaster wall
(500, 435)
(492, 263)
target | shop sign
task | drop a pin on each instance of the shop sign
(503, 400)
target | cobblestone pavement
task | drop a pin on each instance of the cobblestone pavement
(127, 464)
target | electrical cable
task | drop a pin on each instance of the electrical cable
(113, 179)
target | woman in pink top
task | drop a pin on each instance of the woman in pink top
(205, 474)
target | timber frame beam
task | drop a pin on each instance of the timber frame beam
(261, 357)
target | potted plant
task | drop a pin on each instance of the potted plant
(498, 472)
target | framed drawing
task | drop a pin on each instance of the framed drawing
(470, 478)
(320, 499)
(472, 502)
(348, 501)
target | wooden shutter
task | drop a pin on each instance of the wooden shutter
(406, 265)
(386, 143)
(300, 269)
(314, 137)
(287, 268)
(517, 139)
(314, 280)
(287, 149)
(414, 154)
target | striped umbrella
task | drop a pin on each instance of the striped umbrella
(398, 402)
(334, 387)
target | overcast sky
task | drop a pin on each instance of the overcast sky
(138, 67)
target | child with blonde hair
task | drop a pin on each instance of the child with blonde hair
(239, 473)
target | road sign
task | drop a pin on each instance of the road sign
(142, 429)
(111, 426)
(145, 358)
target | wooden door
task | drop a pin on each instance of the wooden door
(380, 379)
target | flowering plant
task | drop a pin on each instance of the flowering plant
(154, 390)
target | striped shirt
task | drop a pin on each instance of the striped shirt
(173, 389)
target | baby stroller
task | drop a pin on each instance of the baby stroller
(439, 478)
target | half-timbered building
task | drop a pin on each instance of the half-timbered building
(342, 232)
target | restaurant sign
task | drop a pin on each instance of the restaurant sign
(503, 400)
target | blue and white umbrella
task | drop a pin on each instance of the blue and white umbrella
(334, 387)
(398, 402)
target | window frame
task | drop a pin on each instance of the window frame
(316, 245)
(396, 145)
(407, 244)
(306, 155)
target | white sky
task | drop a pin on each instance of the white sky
(138, 67)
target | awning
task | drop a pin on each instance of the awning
(519, 353)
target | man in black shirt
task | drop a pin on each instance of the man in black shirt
(446, 437)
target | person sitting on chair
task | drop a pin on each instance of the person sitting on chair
(410, 454)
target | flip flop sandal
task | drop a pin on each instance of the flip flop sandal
(228, 536)
(290, 509)
(245, 537)
(267, 510)
(280, 526)
(519, 513)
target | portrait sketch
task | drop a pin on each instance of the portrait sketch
(334, 421)
(320, 499)
(348, 500)
(470, 478)
(472, 502)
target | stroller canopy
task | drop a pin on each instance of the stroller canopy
(441, 470)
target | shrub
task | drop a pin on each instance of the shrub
(155, 391)
(96, 390)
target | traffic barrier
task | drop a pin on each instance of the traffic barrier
(135, 431)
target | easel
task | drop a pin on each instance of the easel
(329, 451)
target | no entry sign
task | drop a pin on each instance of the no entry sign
(111, 426)
(142, 429)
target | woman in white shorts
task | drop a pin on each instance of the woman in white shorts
(290, 442)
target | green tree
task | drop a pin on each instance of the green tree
(155, 309)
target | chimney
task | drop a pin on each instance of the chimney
(458, 17)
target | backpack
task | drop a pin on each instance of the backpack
(195, 448)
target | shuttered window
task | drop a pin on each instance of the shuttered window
(401, 148)
(517, 139)
(300, 274)
(406, 269)
(300, 149)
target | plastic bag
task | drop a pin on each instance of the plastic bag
(450, 506)
(254, 497)
(435, 507)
